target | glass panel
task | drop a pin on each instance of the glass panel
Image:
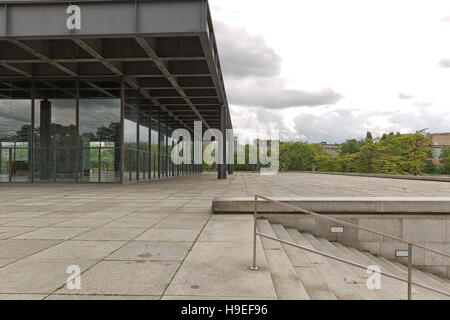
(134, 104)
(15, 131)
(143, 142)
(99, 129)
(99, 134)
(55, 131)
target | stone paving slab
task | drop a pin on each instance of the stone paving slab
(207, 272)
(53, 233)
(35, 222)
(18, 249)
(97, 297)
(211, 298)
(37, 277)
(227, 230)
(127, 278)
(4, 262)
(152, 251)
(82, 223)
(172, 223)
(9, 232)
(13, 296)
(167, 234)
(127, 222)
(111, 233)
(77, 249)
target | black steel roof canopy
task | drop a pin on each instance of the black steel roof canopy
(165, 49)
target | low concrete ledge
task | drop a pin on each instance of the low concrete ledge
(339, 205)
(437, 178)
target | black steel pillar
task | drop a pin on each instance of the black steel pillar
(122, 130)
(159, 142)
(150, 124)
(138, 143)
(222, 174)
(167, 147)
(45, 163)
(31, 139)
(77, 121)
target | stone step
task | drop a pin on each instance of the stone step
(358, 275)
(390, 288)
(426, 279)
(306, 270)
(337, 281)
(401, 287)
(285, 280)
(300, 274)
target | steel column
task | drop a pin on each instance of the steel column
(222, 174)
(159, 142)
(138, 142)
(166, 169)
(122, 130)
(31, 140)
(77, 124)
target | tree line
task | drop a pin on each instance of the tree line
(392, 153)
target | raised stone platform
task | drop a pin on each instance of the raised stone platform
(373, 205)
(424, 220)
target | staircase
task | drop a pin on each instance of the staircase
(300, 275)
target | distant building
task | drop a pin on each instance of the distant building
(439, 141)
(331, 149)
(262, 142)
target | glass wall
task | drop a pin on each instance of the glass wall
(70, 131)
(99, 134)
(132, 100)
(154, 142)
(144, 146)
(55, 125)
(15, 131)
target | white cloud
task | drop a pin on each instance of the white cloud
(402, 95)
(252, 73)
(377, 62)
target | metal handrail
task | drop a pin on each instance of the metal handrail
(320, 216)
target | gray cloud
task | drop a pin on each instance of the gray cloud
(402, 95)
(331, 127)
(338, 125)
(273, 95)
(252, 73)
(271, 119)
(445, 63)
(244, 55)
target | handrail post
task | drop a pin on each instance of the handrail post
(254, 267)
(409, 271)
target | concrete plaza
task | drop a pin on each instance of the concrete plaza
(156, 240)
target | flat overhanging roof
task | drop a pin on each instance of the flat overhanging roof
(165, 49)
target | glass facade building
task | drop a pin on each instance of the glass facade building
(93, 95)
(91, 131)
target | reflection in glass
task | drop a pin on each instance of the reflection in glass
(15, 131)
(99, 130)
(55, 139)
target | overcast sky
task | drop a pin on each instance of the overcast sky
(328, 70)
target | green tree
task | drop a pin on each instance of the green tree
(326, 163)
(445, 160)
(368, 157)
(351, 146)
